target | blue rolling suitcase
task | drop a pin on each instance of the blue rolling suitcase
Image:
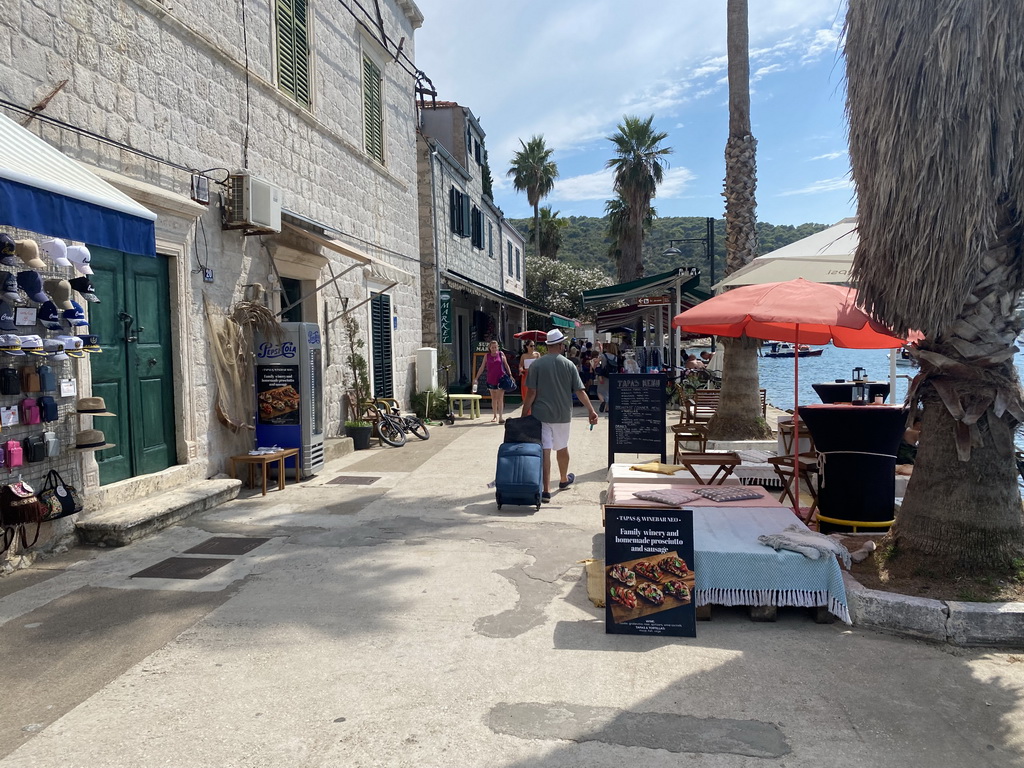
(519, 478)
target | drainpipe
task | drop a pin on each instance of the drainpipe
(437, 255)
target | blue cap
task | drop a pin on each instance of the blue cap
(76, 315)
(32, 284)
(7, 317)
(49, 316)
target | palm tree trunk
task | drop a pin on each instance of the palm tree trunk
(537, 227)
(738, 416)
(739, 412)
(968, 512)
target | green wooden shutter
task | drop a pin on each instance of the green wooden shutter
(373, 108)
(292, 17)
(380, 322)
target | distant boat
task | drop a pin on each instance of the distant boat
(785, 349)
(903, 359)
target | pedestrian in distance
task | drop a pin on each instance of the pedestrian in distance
(497, 366)
(551, 382)
(606, 363)
(526, 359)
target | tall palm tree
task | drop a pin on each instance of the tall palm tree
(935, 103)
(550, 232)
(616, 211)
(534, 172)
(738, 416)
(639, 169)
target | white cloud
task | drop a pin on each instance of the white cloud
(831, 155)
(589, 186)
(599, 185)
(823, 185)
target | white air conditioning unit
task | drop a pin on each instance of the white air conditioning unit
(254, 204)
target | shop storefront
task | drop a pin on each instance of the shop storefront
(75, 253)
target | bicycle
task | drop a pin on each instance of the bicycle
(407, 423)
(389, 430)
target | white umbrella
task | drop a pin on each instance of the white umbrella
(824, 257)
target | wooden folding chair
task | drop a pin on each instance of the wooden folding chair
(688, 431)
(808, 465)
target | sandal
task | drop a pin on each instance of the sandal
(571, 479)
(545, 498)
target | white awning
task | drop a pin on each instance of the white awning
(45, 191)
(824, 257)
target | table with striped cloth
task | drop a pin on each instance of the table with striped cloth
(732, 568)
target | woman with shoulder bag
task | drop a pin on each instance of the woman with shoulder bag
(497, 368)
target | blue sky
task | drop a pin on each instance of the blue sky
(570, 69)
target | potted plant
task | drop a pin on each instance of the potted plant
(357, 382)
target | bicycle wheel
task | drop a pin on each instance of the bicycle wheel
(390, 432)
(417, 426)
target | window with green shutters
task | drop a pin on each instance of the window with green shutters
(380, 324)
(373, 109)
(292, 22)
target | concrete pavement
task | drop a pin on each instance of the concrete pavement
(409, 623)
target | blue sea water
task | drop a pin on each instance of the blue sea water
(776, 373)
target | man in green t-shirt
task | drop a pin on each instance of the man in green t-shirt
(550, 383)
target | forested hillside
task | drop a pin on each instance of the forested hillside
(584, 242)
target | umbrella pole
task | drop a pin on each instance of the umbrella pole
(796, 424)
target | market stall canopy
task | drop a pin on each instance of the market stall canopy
(824, 257)
(43, 190)
(561, 321)
(645, 286)
(627, 317)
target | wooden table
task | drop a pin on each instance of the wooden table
(725, 461)
(263, 460)
(474, 404)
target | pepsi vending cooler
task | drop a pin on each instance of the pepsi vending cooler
(290, 396)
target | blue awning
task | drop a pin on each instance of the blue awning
(43, 190)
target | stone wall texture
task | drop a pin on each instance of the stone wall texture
(180, 81)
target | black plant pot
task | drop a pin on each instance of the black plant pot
(360, 436)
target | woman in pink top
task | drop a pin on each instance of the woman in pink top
(497, 366)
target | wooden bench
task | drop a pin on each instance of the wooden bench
(474, 404)
(705, 402)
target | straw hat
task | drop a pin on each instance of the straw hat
(92, 440)
(93, 406)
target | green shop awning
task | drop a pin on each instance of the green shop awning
(558, 321)
(645, 286)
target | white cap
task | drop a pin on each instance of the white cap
(57, 250)
(80, 257)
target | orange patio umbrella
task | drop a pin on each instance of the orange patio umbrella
(797, 311)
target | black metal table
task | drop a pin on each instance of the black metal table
(842, 391)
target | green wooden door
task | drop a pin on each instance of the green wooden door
(134, 374)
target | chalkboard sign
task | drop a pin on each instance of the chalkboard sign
(637, 419)
(649, 577)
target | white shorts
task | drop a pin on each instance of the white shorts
(554, 437)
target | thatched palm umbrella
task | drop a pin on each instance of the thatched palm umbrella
(738, 417)
(936, 109)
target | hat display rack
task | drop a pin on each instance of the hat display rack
(50, 278)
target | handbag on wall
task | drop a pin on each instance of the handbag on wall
(59, 497)
(19, 507)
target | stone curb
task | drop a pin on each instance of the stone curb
(129, 522)
(954, 623)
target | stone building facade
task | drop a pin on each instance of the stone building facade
(315, 99)
(470, 255)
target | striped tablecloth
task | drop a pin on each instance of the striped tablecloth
(732, 568)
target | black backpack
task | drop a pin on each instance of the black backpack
(10, 382)
(34, 448)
